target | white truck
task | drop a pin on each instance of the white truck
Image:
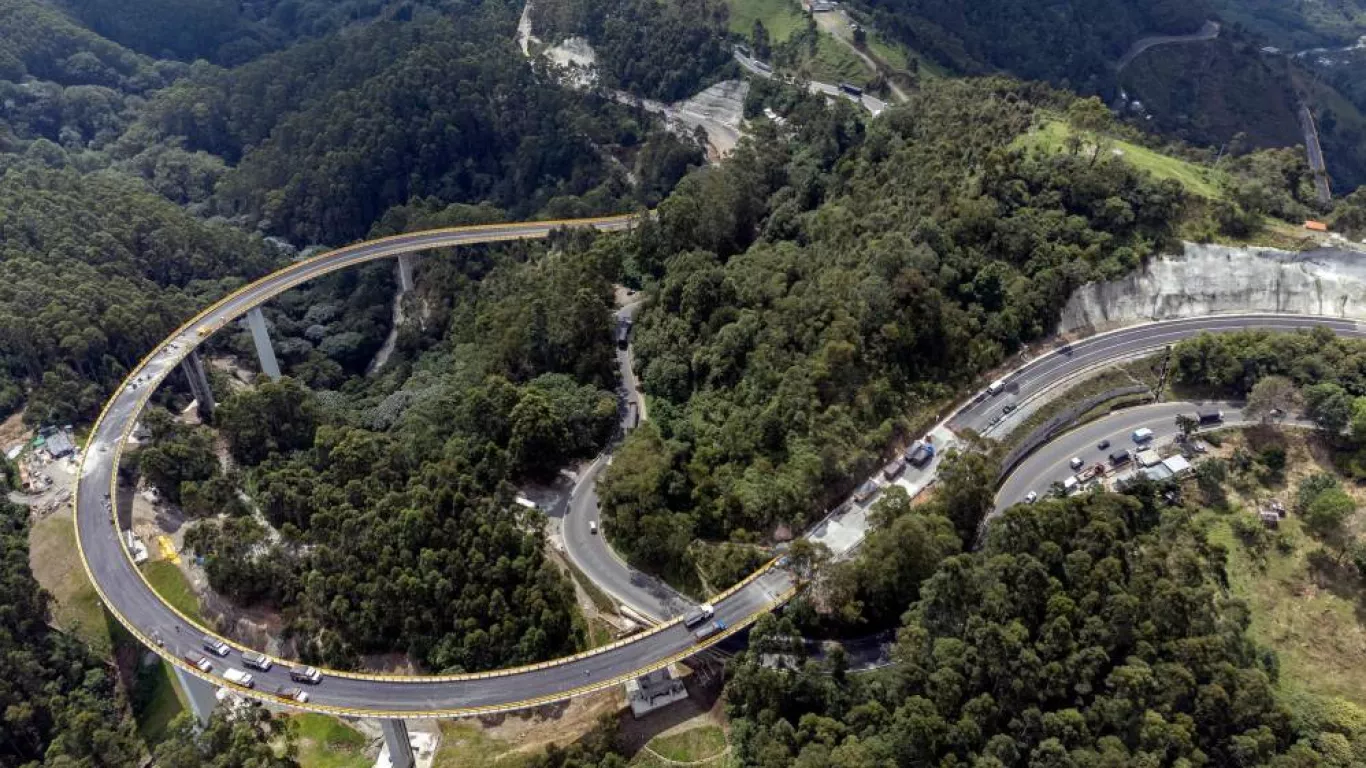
(256, 660)
(698, 615)
(238, 677)
(308, 675)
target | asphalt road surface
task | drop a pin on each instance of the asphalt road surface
(1208, 31)
(132, 600)
(871, 103)
(1050, 463)
(1053, 366)
(590, 551)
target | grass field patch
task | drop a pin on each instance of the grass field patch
(326, 742)
(174, 588)
(465, 746)
(1198, 180)
(780, 17)
(57, 567)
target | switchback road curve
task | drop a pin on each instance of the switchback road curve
(122, 587)
(132, 601)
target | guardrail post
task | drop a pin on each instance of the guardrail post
(266, 353)
(405, 272)
(203, 696)
(397, 743)
(193, 366)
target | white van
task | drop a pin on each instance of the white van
(1142, 435)
(238, 677)
(996, 387)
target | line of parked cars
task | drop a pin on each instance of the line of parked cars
(257, 661)
(1142, 437)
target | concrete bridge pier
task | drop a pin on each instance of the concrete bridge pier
(396, 743)
(264, 351)
(405, 272)
(203, 696)
(193, 366)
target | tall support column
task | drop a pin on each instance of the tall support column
(193, 366)
(396, 741)
(405, 272)
(266, 353)
(203, 697)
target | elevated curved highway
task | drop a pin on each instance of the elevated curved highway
(133, 602)
(131, 599)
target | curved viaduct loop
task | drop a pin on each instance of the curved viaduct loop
(136, 605)
(124, 589)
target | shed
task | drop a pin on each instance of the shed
(1177, 465)
(1157, 472)
(59, 444)
(1148, 458)
(1315, 226)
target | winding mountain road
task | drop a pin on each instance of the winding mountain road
(1207, 31)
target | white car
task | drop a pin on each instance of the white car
(1031, 497)
(1076, 462)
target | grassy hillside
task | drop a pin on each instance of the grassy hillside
(781, 18)
(1303, 604)
(1298, 25)
(1197, 179)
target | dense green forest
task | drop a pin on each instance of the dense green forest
(95, 269)
(1093, 631)
(813, 294)
(812, 301)
(396, 525)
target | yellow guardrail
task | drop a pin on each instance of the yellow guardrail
(294, 275)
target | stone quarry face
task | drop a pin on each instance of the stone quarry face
(1207, 279)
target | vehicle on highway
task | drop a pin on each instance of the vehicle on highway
(256, 660)
(1076, 463)
(1103, 444)
(1120, 458)
(708, 630)
(851, 89)
(1031, 497)
(198, 661)
(894, 470)
(1205, 416)
(1142, 435)
(292, 693)
(865, 491)
(920, 454)
(1070, 485)
(1009, 407)
(592, 526)
(308, 675)
(698, 615)
(215, 646)
(996, 387)
(238, 677)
